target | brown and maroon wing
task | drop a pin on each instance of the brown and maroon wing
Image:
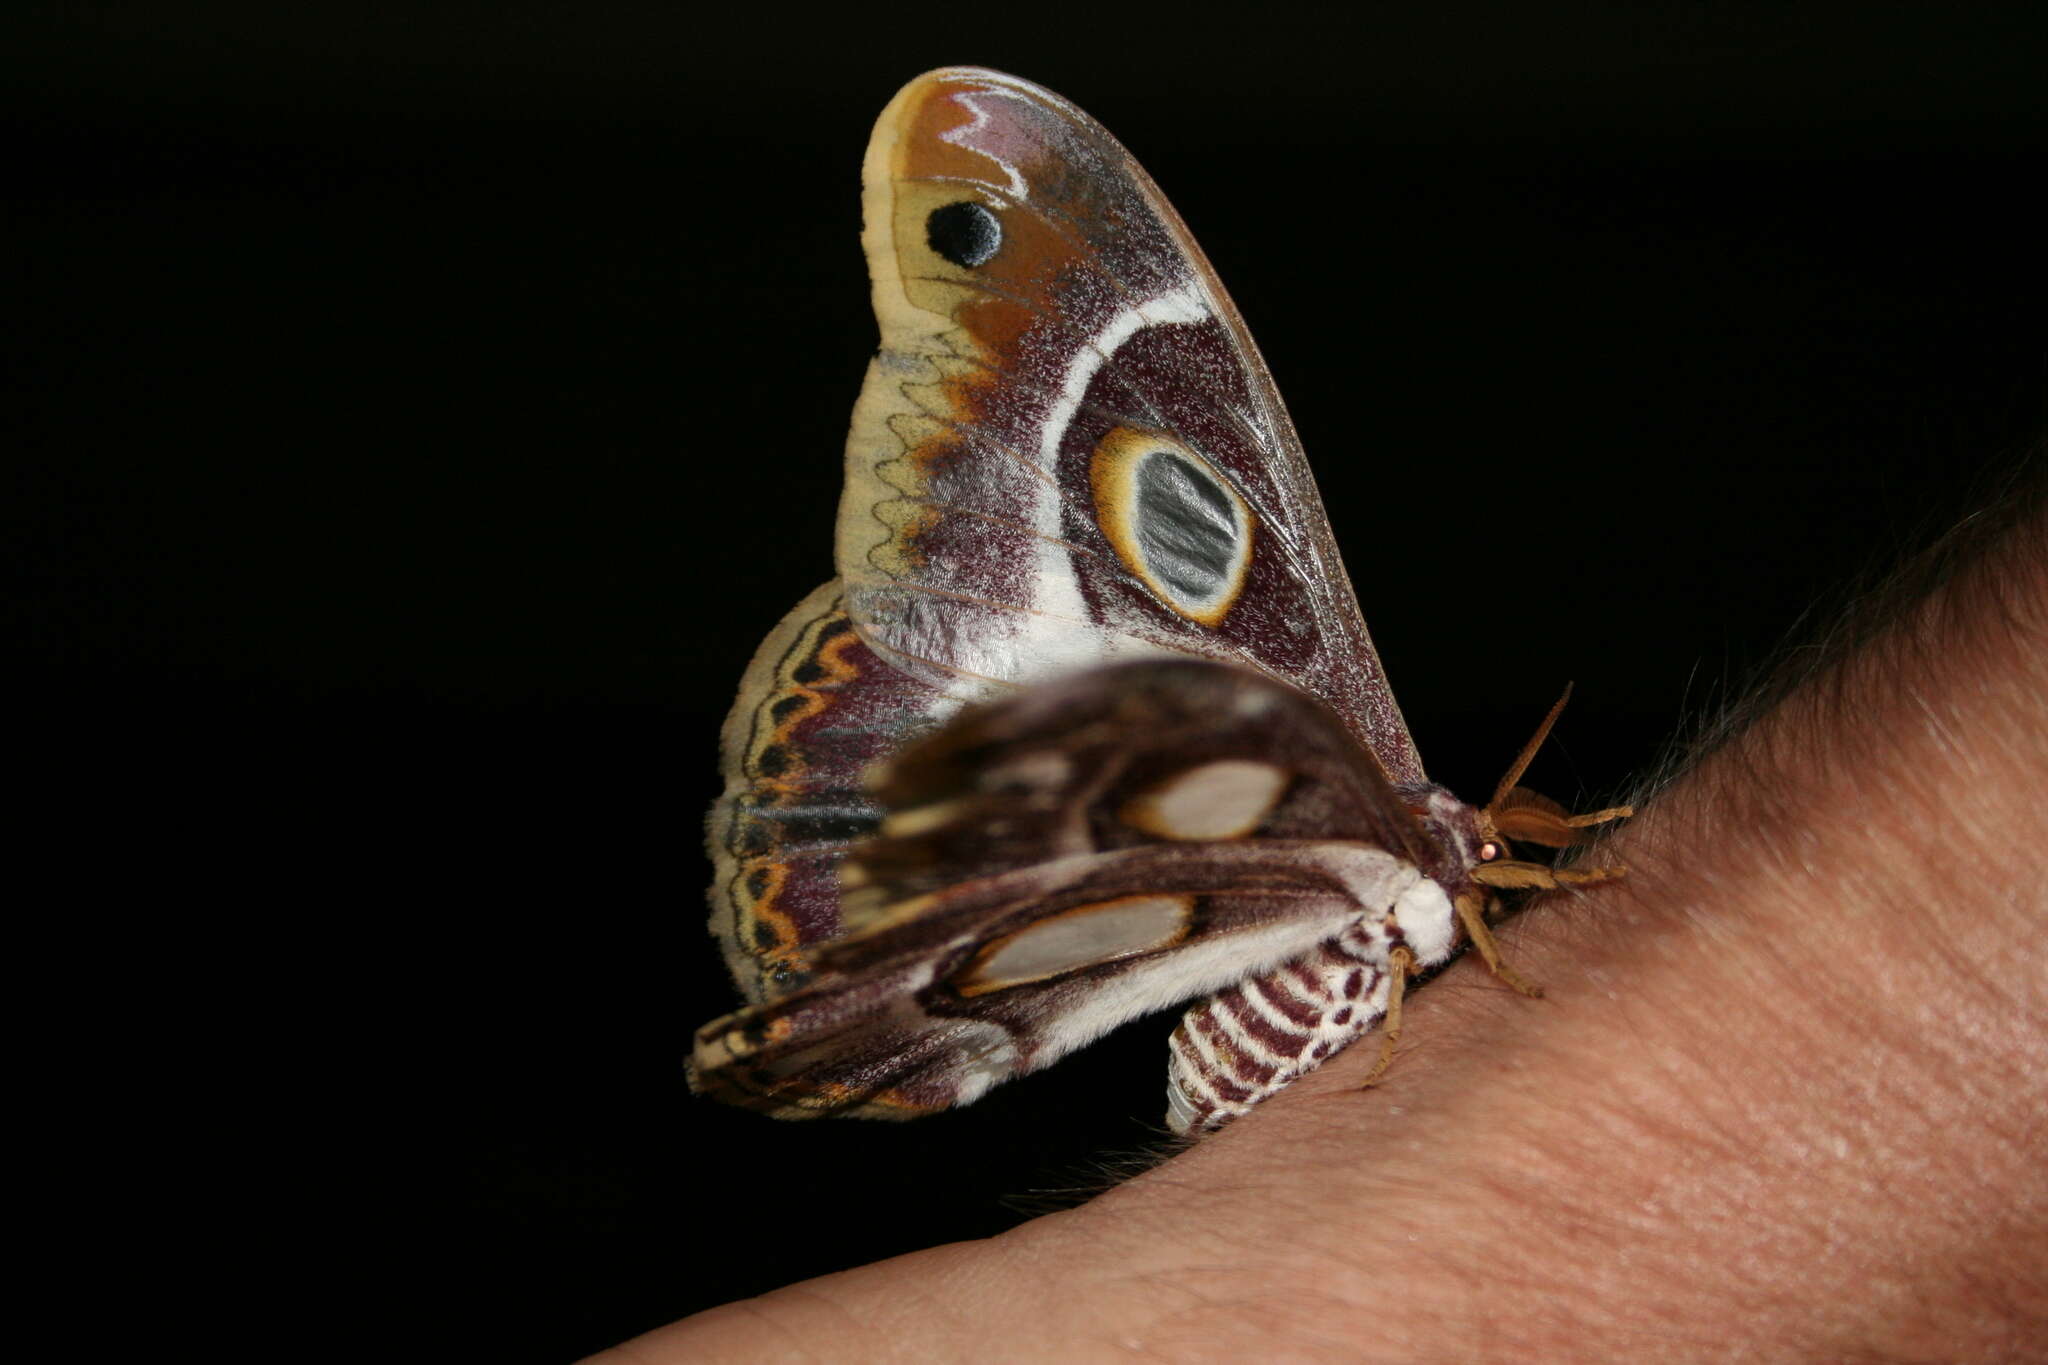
(1056, 864)
(815, 710)
(1068, 451)
(1170, 750)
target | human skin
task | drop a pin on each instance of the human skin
(1786, 1096)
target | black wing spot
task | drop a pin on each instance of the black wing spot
(1187, 526)
(966, 233)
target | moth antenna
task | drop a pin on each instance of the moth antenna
(1528, 754)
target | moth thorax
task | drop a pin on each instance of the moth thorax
(1453, 827)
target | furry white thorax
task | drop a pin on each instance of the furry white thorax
(1420, 907)
(1428, 922)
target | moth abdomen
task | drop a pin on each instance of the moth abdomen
(1250, 1039)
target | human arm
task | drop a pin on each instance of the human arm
(1787, 1096)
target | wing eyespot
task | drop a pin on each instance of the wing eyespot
(1176, 523)
(1081, 936)
(964, 232)
(1227, 799)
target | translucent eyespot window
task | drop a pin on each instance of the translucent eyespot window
(1174, 520)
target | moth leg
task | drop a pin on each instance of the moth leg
(1471, 914)
(1399, 964)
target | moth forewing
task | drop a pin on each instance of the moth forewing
(1002, 975)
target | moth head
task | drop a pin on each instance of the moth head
(1518, 815)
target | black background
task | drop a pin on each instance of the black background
(415, 422)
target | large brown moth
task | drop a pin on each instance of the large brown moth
(1089, 723)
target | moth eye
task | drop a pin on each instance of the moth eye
(1488, 851)
(966, 233)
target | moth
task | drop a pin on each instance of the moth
(1089, 723)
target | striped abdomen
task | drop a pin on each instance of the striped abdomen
(1243, 1043)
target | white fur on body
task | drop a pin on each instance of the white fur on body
(1251, 1039)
